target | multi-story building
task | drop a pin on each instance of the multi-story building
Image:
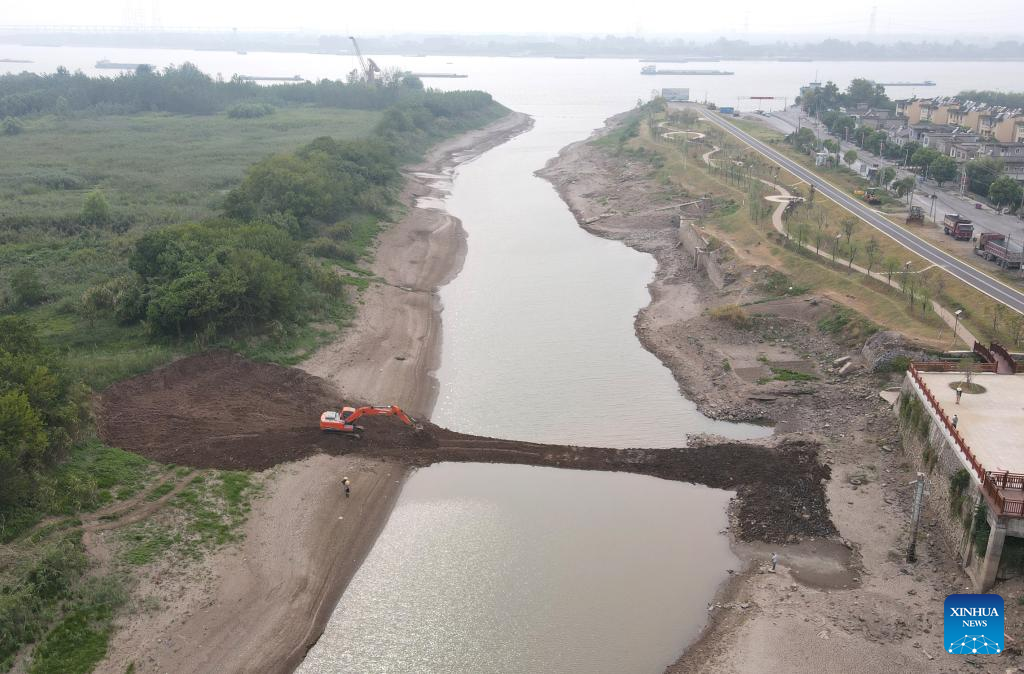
(1011, 154)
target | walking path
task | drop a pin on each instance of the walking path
(979, 280)
(783, 198)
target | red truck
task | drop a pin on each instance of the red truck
(958, 227)
(997, 248)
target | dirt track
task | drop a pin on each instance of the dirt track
(219, 410)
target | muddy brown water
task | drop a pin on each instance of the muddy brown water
(500, 568)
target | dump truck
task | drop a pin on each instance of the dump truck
(958, 227)
(916, 215)
(999, 249)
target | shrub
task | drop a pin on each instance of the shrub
(12, 126)
(731, 313)
(27, 288)
(333, 250)
(96, 210)
(250, 110)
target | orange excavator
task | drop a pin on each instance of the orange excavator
(344, 421)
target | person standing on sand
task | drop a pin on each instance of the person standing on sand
(348, 488)
(959, 392)
(775, 560)
(955, 420)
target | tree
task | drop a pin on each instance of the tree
(969, 366)
(942, 168)
(850, 157)
(96, 210)
(28, 288)
(891, 265)
(924, 157)
(61, 108)
(820, 236)
(982, 172)
(863, 91)
(872, 250)
(905, 187)
(1005, 191)
(42, 409)
(801, 233)
(851, 248)
(803, 140)
(848, 225)
(888, 175)
(12, 126)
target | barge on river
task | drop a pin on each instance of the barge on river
(654, 70)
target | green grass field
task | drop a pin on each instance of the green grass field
(154, 167)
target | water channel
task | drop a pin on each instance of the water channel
(502, 569)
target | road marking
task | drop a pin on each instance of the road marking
(976, 279)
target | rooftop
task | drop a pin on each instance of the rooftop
(991, 423)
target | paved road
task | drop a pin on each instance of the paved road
(947, 200)
(969, 275)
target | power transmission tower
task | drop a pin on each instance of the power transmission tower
(871, 23)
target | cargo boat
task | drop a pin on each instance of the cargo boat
(653, 70)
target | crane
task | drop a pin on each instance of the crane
(344, 421)
(370, 68)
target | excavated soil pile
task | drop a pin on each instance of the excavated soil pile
(219, 410)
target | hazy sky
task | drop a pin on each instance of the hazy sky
(940, 19)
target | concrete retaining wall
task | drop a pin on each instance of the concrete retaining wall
(696, 246)
(935, 455)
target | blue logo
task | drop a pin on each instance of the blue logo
(973, 624)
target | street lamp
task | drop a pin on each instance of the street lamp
(956, 322)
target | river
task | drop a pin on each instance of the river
(516, 569)
(512, 569)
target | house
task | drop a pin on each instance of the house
(676, 95)
(942, 138)
(876, 119)
(1007, 126)
(1011, 154)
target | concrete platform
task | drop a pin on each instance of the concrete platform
(991, 423)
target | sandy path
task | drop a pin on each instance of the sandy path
(259, 606)
(390, 353)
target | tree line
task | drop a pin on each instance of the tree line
(187, 90)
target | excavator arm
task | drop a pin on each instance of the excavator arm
(387, 410)
(344, 421)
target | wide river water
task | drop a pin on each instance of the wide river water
(487, 568)
(496, 568)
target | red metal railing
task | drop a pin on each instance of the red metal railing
(989, 484)
(1005, 480)
(998, 349)
(951, 366)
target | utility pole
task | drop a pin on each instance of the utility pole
(963, 181)
(915, 518)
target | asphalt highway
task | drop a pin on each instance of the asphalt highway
(979, 280)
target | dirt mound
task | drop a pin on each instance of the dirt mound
(219, 410)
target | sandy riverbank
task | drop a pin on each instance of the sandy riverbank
(390, 353)
(845, 602)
